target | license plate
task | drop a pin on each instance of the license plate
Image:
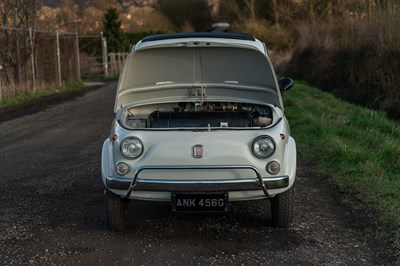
(200, 202)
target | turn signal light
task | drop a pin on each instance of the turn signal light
(273, 167)
(122, 168)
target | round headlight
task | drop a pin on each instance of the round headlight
(122, 168)
(131, 148)
(263, 147)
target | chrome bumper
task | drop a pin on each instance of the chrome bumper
(137, 184)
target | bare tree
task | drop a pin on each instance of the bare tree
(19, 13)
(16, 17)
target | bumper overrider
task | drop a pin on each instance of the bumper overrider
(137, 184)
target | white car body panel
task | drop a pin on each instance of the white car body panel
(145, 94)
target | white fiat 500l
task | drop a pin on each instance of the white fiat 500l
(199, 123)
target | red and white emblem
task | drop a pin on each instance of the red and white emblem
(198, 151)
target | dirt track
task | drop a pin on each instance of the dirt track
(53, 208)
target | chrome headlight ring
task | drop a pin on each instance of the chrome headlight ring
(263, 146)
(131, 147)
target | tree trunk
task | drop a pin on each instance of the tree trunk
(275, 13)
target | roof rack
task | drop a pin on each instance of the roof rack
(224, 35)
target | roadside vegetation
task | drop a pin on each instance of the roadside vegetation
(358, 148)
(348, 47)
(30, 97)
(353, 53)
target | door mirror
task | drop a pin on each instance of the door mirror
(285, 84)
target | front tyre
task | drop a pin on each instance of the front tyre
(117, 208)
(282, 209)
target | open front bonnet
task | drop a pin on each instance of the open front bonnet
(177, 74)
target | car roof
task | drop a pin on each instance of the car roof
(225, 35)
(199, 39)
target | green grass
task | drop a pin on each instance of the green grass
(357, 147)
(26, 97)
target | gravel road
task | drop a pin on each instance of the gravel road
(53, 207)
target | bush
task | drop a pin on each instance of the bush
(275, 36)
(361, 66)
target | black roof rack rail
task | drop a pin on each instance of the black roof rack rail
(224, 35)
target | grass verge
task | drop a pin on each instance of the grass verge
(27, 97)
(358, 148)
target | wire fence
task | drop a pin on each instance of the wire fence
(33, 60)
